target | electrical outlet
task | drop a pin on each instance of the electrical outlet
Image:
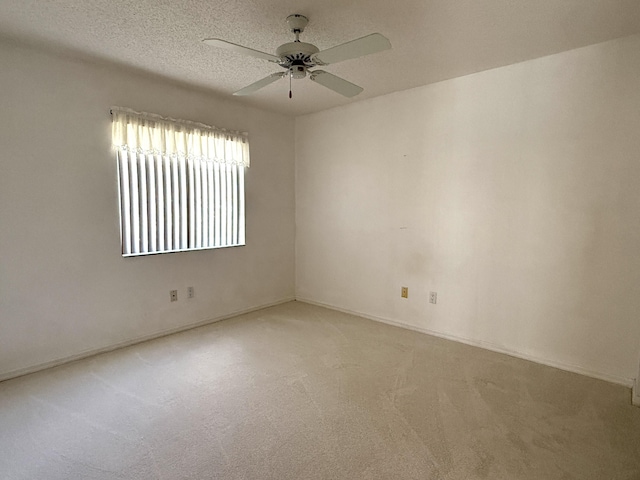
(190, 292)
(174, 295)
(404, 293)
(433, 297)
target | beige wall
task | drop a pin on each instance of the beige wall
(64, 288)
(514, 193)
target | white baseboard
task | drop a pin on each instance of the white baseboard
(634, 384)
(163, 333)
(627, 382)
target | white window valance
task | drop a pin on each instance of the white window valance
(148, 133)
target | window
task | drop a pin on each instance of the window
(181, 184)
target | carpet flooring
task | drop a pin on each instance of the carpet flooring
(302, 392)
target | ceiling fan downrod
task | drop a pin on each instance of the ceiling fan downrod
(297, 23)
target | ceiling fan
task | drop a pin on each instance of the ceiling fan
(298, 57)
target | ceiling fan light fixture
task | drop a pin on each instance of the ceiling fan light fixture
(297, 71)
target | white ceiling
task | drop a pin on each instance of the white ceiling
(432, 40)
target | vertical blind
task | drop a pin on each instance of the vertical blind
(181, 183)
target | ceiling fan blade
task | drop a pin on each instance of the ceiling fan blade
(216, 42)
(355, 48)
(254, 87)
(337, 84)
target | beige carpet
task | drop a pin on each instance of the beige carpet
(301, 392)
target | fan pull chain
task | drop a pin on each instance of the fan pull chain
(290, 76)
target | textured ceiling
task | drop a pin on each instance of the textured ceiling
(432, 40)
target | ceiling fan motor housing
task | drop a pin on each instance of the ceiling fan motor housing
(300, 52)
